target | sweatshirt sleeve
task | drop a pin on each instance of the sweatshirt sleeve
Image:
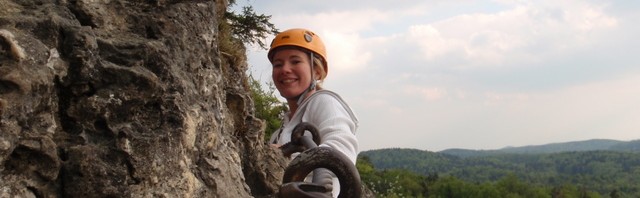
(335, 124)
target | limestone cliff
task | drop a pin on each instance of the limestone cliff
(126, 98)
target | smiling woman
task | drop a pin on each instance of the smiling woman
(299, 63)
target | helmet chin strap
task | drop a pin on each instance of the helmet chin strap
(312, 85)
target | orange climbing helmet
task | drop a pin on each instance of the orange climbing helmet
(300, 38)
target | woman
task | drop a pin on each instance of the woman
(298, 57)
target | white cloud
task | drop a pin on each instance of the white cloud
(521, 33)
(601, 109)
(340, 31)
(493, 98)
(333, 21)
(431, 41)
(427, 93)
(494, 119)
(345, 53)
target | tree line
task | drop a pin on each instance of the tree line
(416, 173)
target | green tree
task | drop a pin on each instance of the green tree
(451, 187)
(267, 105)
(512, 186)
(364, 166)
(250, 27)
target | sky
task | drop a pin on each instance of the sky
(435, 75)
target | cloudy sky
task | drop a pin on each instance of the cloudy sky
(434, 75)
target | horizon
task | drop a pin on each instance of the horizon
(506, 147)
(474, 74)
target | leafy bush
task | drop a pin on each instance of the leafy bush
(268, 107)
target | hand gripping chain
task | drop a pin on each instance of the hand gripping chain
(322, 161)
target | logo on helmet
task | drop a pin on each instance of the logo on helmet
(308, 36)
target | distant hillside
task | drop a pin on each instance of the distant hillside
(470, 153)
(410, 158)
(604, 166)
(587, 145)
(633, 146)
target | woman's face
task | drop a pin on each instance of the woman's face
(291, 72)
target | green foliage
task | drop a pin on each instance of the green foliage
(392, 183)
(402, 183)
(267, 105)
(250, 27)
(569, 174)
(516, 188)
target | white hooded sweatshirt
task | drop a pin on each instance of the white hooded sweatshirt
(336, 123)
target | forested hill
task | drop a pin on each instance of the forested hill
(587, 145)
(598, 165)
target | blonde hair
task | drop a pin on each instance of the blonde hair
(318, 65)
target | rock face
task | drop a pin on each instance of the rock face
(115, 98)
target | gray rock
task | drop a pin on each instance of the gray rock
(116, 98)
